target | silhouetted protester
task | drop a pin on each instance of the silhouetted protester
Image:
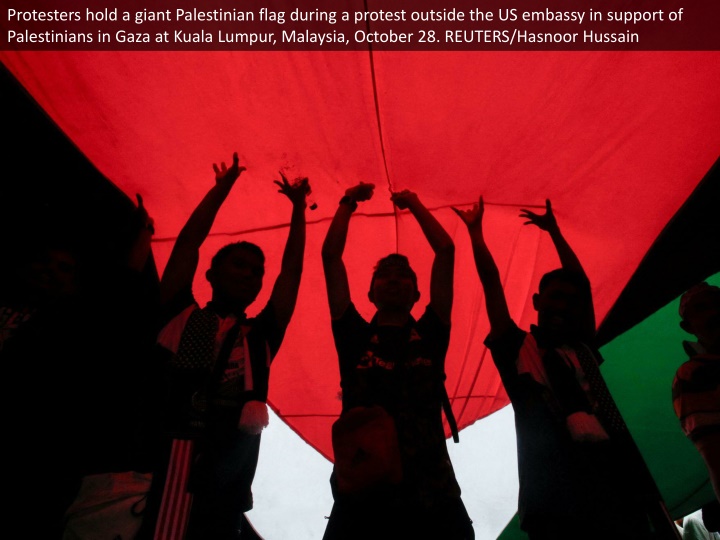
(69, 344)
(579, 471)
(696, 387)
(41, 277)
(116, 444)
(44, 474)
(392, 476)
(693, 528)
(217, 370)
(711, 515)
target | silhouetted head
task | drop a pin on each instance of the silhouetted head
(236, 274)
(562, 301)
(46, 273)
(700, 314)
(394, 284)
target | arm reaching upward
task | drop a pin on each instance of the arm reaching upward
(140, 247)
(180, 269)
(441, 278)
(336, 279)
(547, 222)
(285, 291)
(568, 258)
(495, 301)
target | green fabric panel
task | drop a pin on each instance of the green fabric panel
(640, 366)
(512, 531)
(639, 369)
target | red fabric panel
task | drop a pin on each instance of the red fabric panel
(616, 140)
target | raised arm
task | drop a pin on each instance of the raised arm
(180, 269)
(140, 247)
(336, 279)
(285, 291)
(568, 258)
(441, 277)
(495, 301)
(547, 222)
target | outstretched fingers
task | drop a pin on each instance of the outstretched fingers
(473, 215)
(284, 185)
(227, 176)
(545, 221)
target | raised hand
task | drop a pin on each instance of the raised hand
(296, 191)
(546, 221)
(143, 218)
(472, 217)
(224, 176)
(360, 192)
(404, 199)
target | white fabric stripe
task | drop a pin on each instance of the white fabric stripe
(182, 497)
(159, 526)
(176, 501)
(180, 514)
(171, 519)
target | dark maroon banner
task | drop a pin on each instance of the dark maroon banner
(324, 25)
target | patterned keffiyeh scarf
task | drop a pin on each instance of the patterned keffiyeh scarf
(589, 418)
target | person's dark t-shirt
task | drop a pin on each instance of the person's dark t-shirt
(401, 368)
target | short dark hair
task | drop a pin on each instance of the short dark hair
(394, 259)
(573, 277)
(225, 251)
(695, 292)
